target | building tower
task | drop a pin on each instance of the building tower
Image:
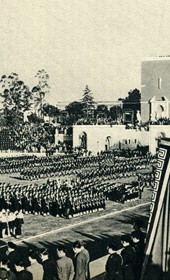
(155, 88)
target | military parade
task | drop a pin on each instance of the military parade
(84, 140)
(75, 191)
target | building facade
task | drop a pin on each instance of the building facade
(155, 88)
(96, 138)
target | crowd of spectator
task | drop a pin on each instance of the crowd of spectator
(16, 261)
(97, 121)
(28, 137)
(124, 262)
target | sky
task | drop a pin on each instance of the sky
(99, 43)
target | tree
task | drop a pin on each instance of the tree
(16, 98)
(102, 110)
(50, 110)
(34, 119)
(133, 100)
(43, 78)
(88, 103)
(75, 110)
(40, 91)
(116, 113)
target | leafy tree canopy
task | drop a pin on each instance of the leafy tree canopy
(43, 78)
(132, 101)
(51, 110)
(15, 93)
(75, 108)
(116, 112)
(16, 98)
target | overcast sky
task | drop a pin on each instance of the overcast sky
(78, 42)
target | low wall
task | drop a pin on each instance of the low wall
(97, 136)
(18, 154)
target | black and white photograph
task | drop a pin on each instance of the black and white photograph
(84, 140)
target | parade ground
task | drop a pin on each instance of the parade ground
(96, 229)
(38, 228)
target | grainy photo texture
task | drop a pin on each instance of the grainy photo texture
(84, 140)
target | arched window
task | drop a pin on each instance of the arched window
(108, 143)
(83, 140)
(159, 112)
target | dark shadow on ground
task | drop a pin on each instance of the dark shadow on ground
(130, 219)
(99, 277)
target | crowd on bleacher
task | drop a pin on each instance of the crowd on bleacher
(30, 138)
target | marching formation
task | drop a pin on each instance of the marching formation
(91, 183)
(103, 165)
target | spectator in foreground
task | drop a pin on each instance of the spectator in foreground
(65, 268)
(139, 254)
(86, 252)
(113, 264)
(49, 267)
(81, 262)
(128, 255)
(22, 272)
